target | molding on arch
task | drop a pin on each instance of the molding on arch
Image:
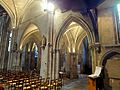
(10, 12)
(27, 40)
(27, 33)
(28, 25)
(80, 37)
(108, 55)
(81, 21)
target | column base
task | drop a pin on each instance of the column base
(73, 76)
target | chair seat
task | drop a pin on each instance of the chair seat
(18, 86)
(1, 87)
(50, 85)
(25, 88)
(43, 87)
(33, 85)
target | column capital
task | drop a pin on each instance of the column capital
(73, 53)
(42, 46)
(49, 44)
(56, 50)
(96, 46)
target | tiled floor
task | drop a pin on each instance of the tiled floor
(78, 84)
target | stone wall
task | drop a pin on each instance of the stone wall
(113, 73)
(106, 26)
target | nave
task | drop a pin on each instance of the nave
(71, 40)
(12, 80)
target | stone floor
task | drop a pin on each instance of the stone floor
(77, 84)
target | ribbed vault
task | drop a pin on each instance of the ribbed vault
(32, 33)
(72, 37)
(16, 9)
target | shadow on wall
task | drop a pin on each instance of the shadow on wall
(106, 80)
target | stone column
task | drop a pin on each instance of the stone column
(6, 50)
(4, 24)
(20, 60)
(1, 36)
(49, 61)
(23, 57)
(95, 50)
(52, 54)
(53, 65)
(39, 59)
(3, 48)
(43, 68)
(14, 53)
(73, 66)
(56, 64)
(3, 43)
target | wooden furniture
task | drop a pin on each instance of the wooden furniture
(1, 87)
(15, 80)
(92, 84)
(93, 79)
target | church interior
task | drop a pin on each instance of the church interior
(59, 44)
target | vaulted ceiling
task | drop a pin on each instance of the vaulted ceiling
(84, 5)
(31, 34)
(17, 8)
(73, 37)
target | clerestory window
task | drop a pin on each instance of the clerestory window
(118, 10)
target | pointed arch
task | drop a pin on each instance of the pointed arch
(31, 32)
(10, 12)
(108, 55)
(81, 22)
(80, 39)
(79, 19)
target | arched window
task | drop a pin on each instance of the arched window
(118, 10)
(117, 19)
(10, 40)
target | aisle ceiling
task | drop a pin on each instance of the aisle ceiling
(18, 7)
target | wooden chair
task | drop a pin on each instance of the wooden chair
(1, 87)
(26, 84)
(43, 85)
(19, 85)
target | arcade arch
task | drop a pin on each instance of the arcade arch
(30, 46)
(74, 32)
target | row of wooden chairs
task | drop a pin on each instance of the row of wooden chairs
(23, 81)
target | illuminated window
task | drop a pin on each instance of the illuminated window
(118, 8)
(117, 11)
(10, 39)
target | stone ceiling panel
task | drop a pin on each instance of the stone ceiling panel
(17, 7)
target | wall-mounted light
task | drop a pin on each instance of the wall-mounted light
(48, 6)
(13, 27)
(98, 47)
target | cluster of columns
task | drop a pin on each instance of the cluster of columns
(49, 66)
(8, 42)
(50, 55)
(4, 39)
